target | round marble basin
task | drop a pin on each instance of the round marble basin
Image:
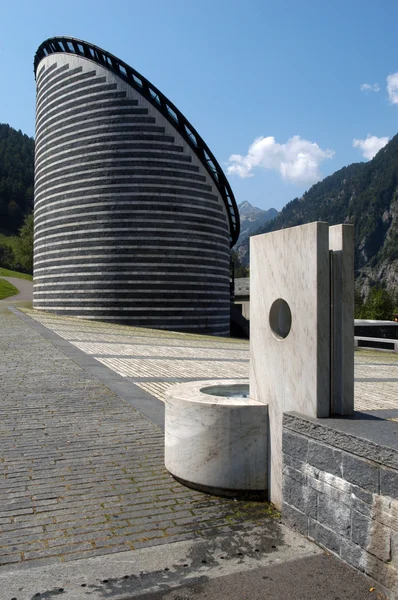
(216, 436)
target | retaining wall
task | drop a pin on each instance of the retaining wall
(340, 488)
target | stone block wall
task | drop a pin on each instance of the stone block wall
(341, 490)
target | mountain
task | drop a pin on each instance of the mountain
(16, 178)
(251, 220)
(366, 195)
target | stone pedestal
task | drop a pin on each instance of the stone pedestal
(213, 442)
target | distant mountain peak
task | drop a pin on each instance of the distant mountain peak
(252, 219)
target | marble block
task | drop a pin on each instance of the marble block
(341, 245)
(289, 330)
(212, 442)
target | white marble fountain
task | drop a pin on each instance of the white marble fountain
(216, 436)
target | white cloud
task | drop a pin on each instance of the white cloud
(392, 88)
(297, 160)
(370, 146)
(370, 87)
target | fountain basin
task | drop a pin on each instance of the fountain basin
(216, 436)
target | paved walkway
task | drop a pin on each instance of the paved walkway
(24, 286)
(82, 472)
(155, 360)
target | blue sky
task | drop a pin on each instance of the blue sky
(274, 85)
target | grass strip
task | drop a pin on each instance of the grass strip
(7, 289)
(9, 273)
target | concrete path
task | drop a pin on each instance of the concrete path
(24, 286)
(88, 510)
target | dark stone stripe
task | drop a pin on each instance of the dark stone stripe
(92, 88)
(113, 116)
(57, 188)
(121, 124)
(94, 143)
(89, 170)
(125, 212)
(89, 101)
(80, 81)
(50, 72)
(162, 159)
(138, 132)
(121, 107)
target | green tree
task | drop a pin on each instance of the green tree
(23, 251)
(239, 269)
(379, 305)
(358, 304)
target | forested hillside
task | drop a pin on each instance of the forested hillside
(366, 195)
(16, 178)
(16, 198)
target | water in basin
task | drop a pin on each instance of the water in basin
(235, 390)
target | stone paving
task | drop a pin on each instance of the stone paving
(152, 359)
(155, 360)
(81, 471)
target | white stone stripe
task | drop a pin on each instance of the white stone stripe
(107, 307)
(152, 128)
(92, 108)
(50, 94)
(133, 255)
(181, 185)
(51, 153)
(102, 290)
(209, 234)
(84, 94)
(123, 197)
(219, 247)
(114, 194)
(147, 273)
(102, 209)
(133, 221)
(222, 286)
(71, 162)
(97, 113)
(65, 82)
(133, 302)
(131, 248)
(105, 139)
(80, 168)
(63, 72)
(87, 176)
(115, 263)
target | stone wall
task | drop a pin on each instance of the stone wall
(340, 489)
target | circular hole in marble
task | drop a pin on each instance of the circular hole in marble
(235, 390)
(280, 319)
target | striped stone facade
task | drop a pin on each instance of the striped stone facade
(129, 226)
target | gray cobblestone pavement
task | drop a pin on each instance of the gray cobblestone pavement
(81, 471)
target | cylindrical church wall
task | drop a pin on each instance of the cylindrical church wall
(129, 226)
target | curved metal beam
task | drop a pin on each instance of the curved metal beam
(71, 45)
